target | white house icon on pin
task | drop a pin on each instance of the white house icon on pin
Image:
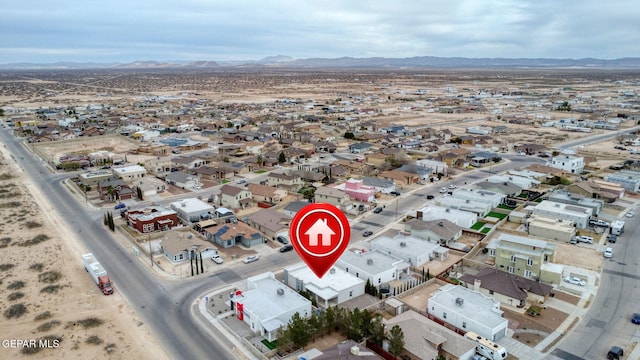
(317, 230)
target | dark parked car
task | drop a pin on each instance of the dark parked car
(377, 210)
(395, 193)
(616, 353)
(635, 318)
(430, 197)
(367, 233)
(613, 238)
(286, 248)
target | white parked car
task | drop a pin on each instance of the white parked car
(452, 186)
(250, 259)
(443, 190)
(584, 239)
(217, 259)
(575, 281)
(629, 214)
(608, 253)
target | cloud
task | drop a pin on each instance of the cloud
(121, 30)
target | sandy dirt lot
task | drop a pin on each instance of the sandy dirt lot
(45, 292)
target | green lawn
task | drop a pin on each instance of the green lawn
(271, 345)
(502, 206)
(496, 215)
(485, 230)
(477, 226)
(260, 171)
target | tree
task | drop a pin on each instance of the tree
(110, 221)
(139, 190)
(282, 158)
(396, 340)
(564, 107)
(349, 135)
(259, 160)
(376, 331)
(299, 331)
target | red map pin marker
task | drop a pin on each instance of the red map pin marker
(320, 233)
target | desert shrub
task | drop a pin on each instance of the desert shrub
(15, 285)
(51, 289)
(49, 339)
(35, 240)
(49, 276)
(4, 242)
(11, 204)
(15, 311)
(110, 348)
(43, 316)
(94, 340)
(15, 296)
(5, 267)
(36, 267)
(32, 224)
(48, 325)
(87, 323)
(6, 176)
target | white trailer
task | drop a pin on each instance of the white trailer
(98, 273)
(617, 227)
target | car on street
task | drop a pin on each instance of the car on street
(430, 197)
(250, 259)
(629, 214)
(608, 253)
(615, 353)
(635, 318)
(396, 193)
(584, 239)
(443, 190)
(120, 206)
(612, 238)
(452, 186)
(575, 281)
(286, 248)
(377, 210)
(367, 233)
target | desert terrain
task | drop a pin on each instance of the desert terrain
(46, 293)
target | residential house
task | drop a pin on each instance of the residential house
(92, 178)
(416, 252)
(628, 179)
(597, 189)
(426, 339)
(269, 221)
(152, 218)
(284, 179)
(376, 266)
(568, 163)
(178, 247)
(578, 214)
(192, 210)
(249, 306)
(128, 173)
(384, 186)
(357, 190)
(509, 289)
(150, 186)
(235, 197)
(182, 180)
(332, 196)
(401, 177)
(159, 166)
(551, 228)
(292, 208)
(468, 310)
(476, 207)
(565, 197)
(116, 189)
(361, 147)
(234, 233)
(186, 163)
(266, 194)
(213, 172)
(441, 231)
(523, 256)
(507, 188)
(334, 288)
(461, 218)
(494, 199)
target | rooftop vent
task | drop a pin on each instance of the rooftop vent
(403, 244)
(332, 271)
(280, 291)
(441, 223)
(459, 301)
(369, 261)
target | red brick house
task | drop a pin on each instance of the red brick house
(152, 218)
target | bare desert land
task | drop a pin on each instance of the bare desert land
(47, 295)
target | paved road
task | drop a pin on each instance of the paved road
(607, 321)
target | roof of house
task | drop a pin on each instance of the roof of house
(444, 228)
(230, 231)
(511, 285)
(270, 219)
(262, 190)
(231, 190)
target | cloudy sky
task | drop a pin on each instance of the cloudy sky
(45, 31)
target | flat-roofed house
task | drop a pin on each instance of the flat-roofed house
(468, 310)
(551, 228)
(441, 231)
(379, 267)
(578, 214)
(334, 288)
(414, 251)
(283, 303)
(461, 218)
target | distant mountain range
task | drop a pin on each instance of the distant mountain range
(282, 61)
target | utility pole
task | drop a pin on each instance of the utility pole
(150, 254)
